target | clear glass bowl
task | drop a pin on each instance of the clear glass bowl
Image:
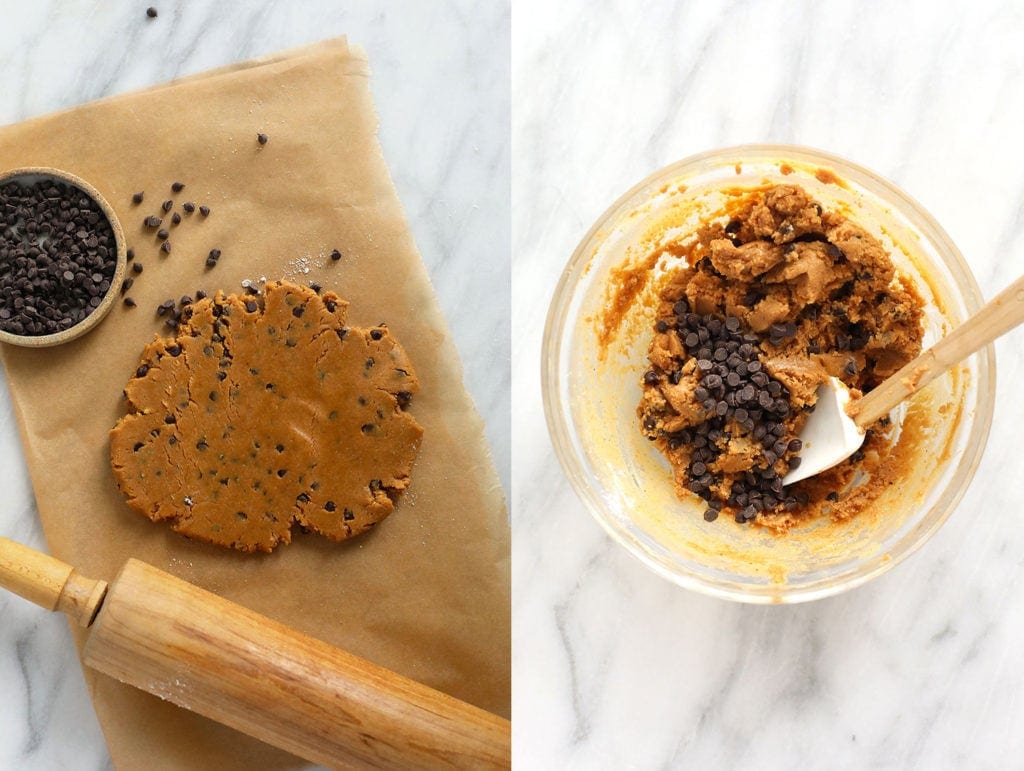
(591, 390)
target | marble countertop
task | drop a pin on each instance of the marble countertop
(615, 667)
(441, 86)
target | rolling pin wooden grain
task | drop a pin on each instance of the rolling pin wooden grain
(206, 654)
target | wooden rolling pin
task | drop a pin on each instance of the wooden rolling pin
(206, 654)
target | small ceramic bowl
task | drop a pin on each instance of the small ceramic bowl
(592, 386)
(32, 175)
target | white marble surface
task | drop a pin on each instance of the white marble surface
(615, 667)
(441, 85)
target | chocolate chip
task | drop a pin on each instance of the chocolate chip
(832, 496)
(162, 234)
(262, 138)
(376, 334)
(710, 515)
(204, 210)
(189, 207)
(57, 256)
(165, 247)
(251, 306)
(127, 284)
(851, 368)
(335, 255)
(167, 205)
(330, 506)
(152, 221)
(130, 302)
(151, 12)
(177, 187)
(176, 218)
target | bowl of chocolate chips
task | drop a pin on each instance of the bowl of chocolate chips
(62, 257)
(684, 349)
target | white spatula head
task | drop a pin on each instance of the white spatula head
(829, 436)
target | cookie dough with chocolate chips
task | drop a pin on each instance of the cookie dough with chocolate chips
(771, 303)
(263, 413)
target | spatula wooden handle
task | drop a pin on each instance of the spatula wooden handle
(1001, 314)
(48, 582)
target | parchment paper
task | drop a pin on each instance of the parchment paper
(427, 593)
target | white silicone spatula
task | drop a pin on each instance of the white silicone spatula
(835, 430)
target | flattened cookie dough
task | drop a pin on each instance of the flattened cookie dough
(265, 412)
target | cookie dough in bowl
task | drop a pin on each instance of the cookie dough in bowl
(765, 248)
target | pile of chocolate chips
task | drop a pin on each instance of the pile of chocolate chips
(737, 394)
(57, 256)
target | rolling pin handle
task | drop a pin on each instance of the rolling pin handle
(49, 583)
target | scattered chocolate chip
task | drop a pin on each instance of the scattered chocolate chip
(177, 187)
(335, 255)
(152, 221)
(127, 284)
(130, 302)
(262, 138)
(167, 205)
(176, 218)
(151, 12)
(137, 267)
(138, 198)
(251, 306)
(376, 334)
(204, 210)
(130, 255)
(162, 234)
(189, 207)
(165, 247)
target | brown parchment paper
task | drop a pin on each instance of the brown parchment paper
(425, 594)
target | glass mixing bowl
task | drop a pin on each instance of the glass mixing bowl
(592, 386)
